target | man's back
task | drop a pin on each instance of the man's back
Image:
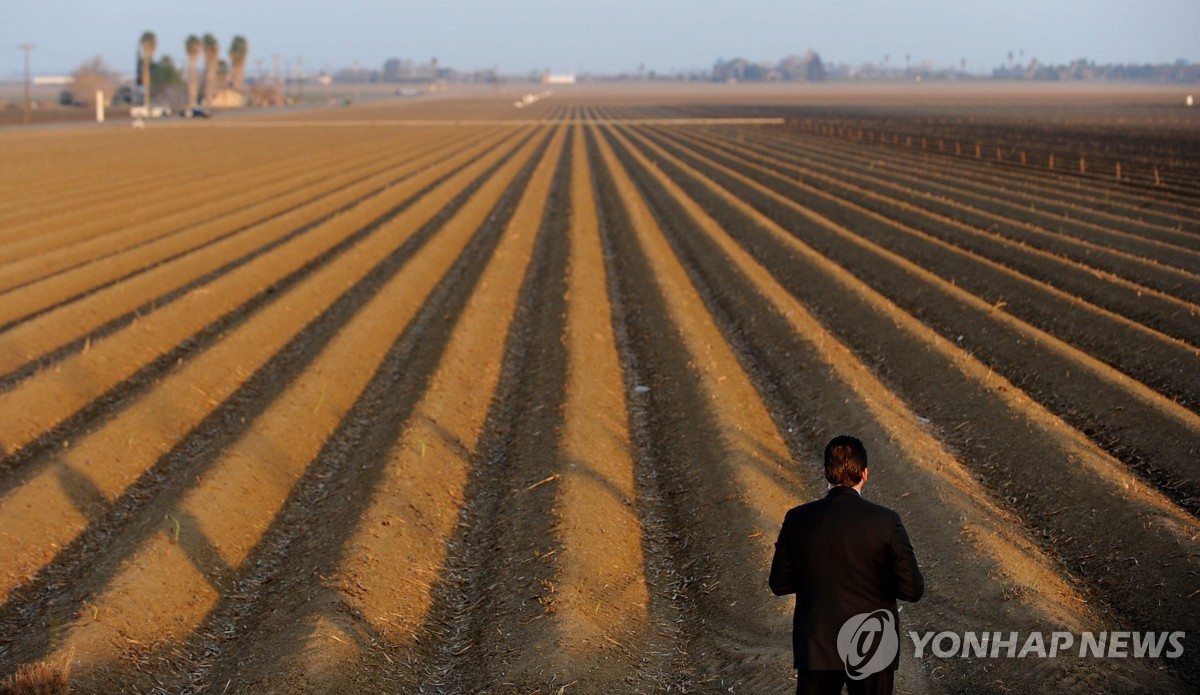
(842, 556)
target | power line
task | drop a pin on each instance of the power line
(27, 47)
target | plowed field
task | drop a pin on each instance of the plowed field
(447, 396)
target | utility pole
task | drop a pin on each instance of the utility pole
(300, 76)
(278, 83)
(27, 47)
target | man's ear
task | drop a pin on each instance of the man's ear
(864, 478)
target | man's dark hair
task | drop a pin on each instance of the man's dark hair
(845, 460)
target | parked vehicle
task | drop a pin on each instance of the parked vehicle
(195, 112)
(152, 111)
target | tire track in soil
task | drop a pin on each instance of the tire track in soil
(1045, 472)
(1156, 310)
(1111, 407)
(225, 516)
(981, 568)
(364, 591)
(52, 402)
(189, 447)
(719, 471)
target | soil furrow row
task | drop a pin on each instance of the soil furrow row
(1065, 380)
(496, 606)
(95, 271)
(42, 200)
(664, 570)
(719, 460)
(58, 225)
(1162, 278)
(442, 395)
(41, 171)
(106, 225)
(1150, 357)
(1022, 221)
(95, 311)
(1139, 149)
(602, 585)
(816, 387)
(1127, 556)
(43, 266)
(354, 538)
(53, 395)
(1107, 205)
(1158, 311)
(81, 485)
(224, 516)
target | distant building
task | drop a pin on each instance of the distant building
(53, 80)
(566, 78)
(226, 98)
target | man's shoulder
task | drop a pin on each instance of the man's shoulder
(860, 505)
(806, 508)
(879, 509)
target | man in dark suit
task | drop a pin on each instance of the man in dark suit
(847, 560)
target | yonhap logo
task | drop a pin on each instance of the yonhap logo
(867, 643)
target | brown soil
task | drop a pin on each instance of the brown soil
(406, 402)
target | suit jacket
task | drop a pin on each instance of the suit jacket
(841, 556)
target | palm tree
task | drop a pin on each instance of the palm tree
(192, 45)
(149, 45)
(238, 50)
(212, 51)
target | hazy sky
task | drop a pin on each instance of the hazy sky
(565, 35)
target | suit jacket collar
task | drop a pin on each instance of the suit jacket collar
(842, 490)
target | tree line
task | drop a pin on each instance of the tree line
(1083, 69)
(217, 72)
(161, 79)
(806, 67)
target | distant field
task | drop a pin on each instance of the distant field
(440, 393)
